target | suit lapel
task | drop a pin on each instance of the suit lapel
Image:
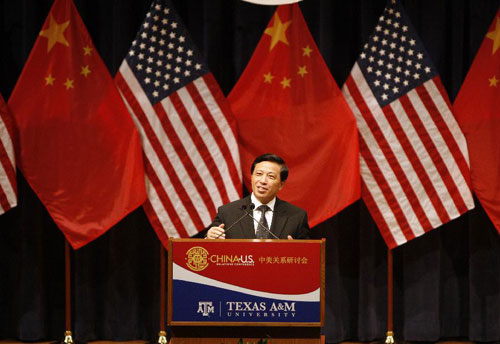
(247, 225)
(279, 218)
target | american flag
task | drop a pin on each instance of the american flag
(8, 198)
(188, 134)
(413, 155)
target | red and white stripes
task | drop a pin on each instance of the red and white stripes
(413, 156)
(8, 198)
(190, 151)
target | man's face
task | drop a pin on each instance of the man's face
(266, 181)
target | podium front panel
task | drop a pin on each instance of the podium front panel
(215, 282)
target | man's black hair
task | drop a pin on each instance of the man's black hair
(272, 158)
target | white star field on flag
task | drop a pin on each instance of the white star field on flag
(160, 56)
(393, 61)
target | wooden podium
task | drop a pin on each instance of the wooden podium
(224, 291)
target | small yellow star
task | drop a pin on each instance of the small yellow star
(307, 51)
(85, 71)
(302, 71)
(49, 80)
(493, 81)
(268, 78)
(285, 82)
(87, 50)
(278, 31)
(69, 84)
(495, 36)
(55, 33)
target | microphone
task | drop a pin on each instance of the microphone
(243, 207)
(252, 206)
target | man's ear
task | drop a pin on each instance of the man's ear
(281, 186)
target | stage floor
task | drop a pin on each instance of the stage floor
(6, 341)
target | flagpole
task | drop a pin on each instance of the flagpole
(68, 339)
(162, 335)
(390, 301)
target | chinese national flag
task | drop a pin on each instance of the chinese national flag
(477, 109)
(287, 102)
(79, 149)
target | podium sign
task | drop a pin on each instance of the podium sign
(260, 282)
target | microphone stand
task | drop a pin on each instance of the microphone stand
(259, 223)
(243, 207)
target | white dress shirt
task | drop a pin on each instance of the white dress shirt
(258, 214)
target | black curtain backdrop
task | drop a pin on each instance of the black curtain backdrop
(447, 283)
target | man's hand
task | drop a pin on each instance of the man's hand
(290, 237)
(216, 232)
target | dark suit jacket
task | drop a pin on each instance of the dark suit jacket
(287, 220)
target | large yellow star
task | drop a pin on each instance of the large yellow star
(493, 81)
(278, 31)
(55, 33)
(495, 36)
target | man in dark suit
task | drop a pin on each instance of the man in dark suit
(286, 221)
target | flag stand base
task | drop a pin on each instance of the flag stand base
(68, 339)
(162, 337)
(390, 338)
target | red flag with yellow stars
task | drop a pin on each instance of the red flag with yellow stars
(79, 149)
(286, 102)
(477, 109)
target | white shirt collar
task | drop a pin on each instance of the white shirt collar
(257, 203)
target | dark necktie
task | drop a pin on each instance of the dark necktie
(261, 232)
